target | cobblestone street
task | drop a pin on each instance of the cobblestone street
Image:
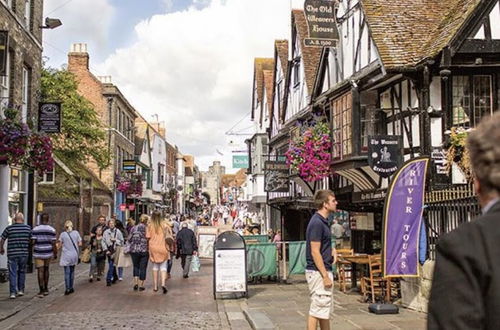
(188, 304)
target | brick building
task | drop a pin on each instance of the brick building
(20, 63)
(115, 113)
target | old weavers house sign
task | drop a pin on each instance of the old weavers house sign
(320, 18)
(384, 154)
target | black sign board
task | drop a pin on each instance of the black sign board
(320, 18)
(49, 117)
(276, 176)
(4, 50)
(129, 166)
(384, 154)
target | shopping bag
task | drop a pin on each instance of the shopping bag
(124, 260)
(85, 256)
(195, 264)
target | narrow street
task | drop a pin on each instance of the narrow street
(187, 305)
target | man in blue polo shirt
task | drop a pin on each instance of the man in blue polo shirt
(319, 257)
(18, 237)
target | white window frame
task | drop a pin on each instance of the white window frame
(27, 13)
(25, 94)
(44, 178)
(5, 86)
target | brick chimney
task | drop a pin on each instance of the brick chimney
(78, 58)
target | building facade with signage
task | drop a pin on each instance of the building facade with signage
(262, 98)
(116, 114)
(20, 68)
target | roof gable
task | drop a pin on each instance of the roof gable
(281, 50)
(407, 32)
(268, 85)
(310, 55)
(260, 64)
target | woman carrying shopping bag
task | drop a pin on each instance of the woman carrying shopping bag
(69, 241)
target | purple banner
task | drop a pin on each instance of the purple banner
(402, 217)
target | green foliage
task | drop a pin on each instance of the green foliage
(82, 136)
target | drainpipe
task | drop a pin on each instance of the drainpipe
(425, 120)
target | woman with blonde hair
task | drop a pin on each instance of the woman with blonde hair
(69, 241)
(159, 252)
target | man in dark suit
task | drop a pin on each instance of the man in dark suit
(465, 290)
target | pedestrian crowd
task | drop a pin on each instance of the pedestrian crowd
(151, 239)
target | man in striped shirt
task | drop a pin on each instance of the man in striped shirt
(18, 241)
(44, 248)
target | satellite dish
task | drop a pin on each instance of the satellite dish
(180, 188)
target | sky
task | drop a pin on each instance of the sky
(188, 61)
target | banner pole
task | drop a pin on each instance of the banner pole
(284, 261)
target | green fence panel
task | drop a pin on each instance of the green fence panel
(259, 238)
(297, 257)
(261, 259)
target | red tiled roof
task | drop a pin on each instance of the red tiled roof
(281, 47)
(261, 64)
(268, 85)
(310, 55)
(407, 32)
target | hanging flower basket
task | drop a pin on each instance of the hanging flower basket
(21, 147)
(309, 154)
(14, 139)
(40, 154)
(457, 153)
(130, 185)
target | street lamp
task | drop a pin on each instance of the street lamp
(51, 23)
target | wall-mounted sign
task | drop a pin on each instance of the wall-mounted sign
(384, 154)
(276, 176)
(320, 18)
(240, 161)
(131, 207)
(4, 49)
(49, 117)
(129, 166)
(123, 207)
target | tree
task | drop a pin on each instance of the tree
(82, 137)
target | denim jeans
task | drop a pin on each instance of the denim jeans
(169, 264)
(120, 272)
(111, 269)
(140, 262)
(69, 276)
(17, 273)
(96, 267)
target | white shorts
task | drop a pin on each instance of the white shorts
(162, 266)
(321, 298)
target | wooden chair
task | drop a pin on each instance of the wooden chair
(344, 268)
(375, 285)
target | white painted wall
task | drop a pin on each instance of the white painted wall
(158, 156)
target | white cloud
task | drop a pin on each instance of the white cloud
(194, 69)
(81, 23)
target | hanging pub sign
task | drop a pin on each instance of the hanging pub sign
(276, 176)
(384, 154)
(402, 219)
(4, 49)
(49, 117)
(320, 18)
(129, 166)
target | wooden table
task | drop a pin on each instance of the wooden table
(358, 258)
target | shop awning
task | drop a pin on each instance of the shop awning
(362, 177)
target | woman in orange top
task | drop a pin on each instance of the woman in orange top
(158, 249)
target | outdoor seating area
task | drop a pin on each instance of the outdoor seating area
(373, 286)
